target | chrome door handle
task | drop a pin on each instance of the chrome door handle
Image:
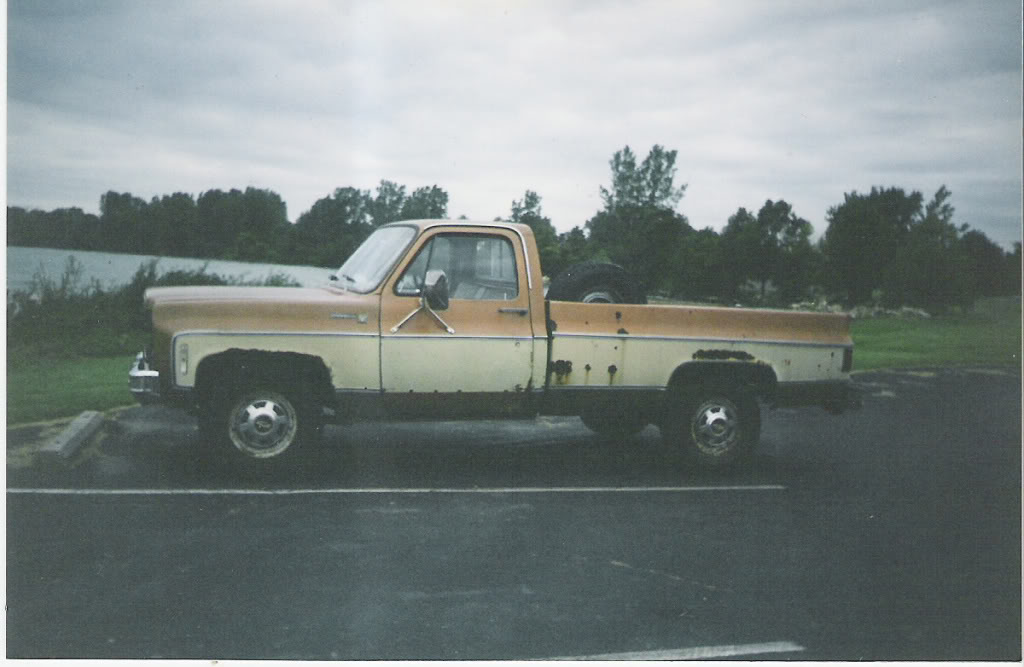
(515, 311)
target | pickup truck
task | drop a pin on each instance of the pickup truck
(441, 319)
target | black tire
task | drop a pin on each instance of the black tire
(716, 428)
(613, 425)
(596, 282)
(261, 423)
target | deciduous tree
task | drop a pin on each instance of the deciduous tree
(639, 226)
(425, 203)
(527, 211)
(865, 234)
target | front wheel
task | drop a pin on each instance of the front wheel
(260, 423)
(717, 429)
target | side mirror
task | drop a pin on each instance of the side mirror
(435, 290)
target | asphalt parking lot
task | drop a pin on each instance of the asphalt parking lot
(891, 533)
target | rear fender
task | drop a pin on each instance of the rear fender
(756, 378)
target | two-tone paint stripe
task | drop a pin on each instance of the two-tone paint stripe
(702, 339)
(555, 490)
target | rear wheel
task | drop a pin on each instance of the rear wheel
(717, 428)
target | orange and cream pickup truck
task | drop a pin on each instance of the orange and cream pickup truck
(438, 320)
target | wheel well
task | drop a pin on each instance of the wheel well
(219, 373)
(757, 378)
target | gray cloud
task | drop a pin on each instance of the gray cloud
(796, 100)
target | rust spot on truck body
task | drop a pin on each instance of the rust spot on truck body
(562, 370)
(722, 355)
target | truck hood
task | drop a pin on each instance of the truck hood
(326, 309)
(256, 295)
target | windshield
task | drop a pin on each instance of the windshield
(374, 259)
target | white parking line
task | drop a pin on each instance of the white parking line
(385, 491)
(698, 653)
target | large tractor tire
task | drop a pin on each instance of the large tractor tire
(596, 282)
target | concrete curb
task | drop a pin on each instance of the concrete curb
(57, 420)
(75, 435)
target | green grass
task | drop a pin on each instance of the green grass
(988, 336)
(42, 389)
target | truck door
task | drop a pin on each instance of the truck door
(473, 358)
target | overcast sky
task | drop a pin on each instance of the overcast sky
(793, 100)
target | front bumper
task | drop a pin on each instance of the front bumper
(143, 381)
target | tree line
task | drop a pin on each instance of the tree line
(886, 247)
(250, 225)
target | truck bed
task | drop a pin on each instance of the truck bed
(640, 346)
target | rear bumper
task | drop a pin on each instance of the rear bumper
(836, 396)
(143, 381)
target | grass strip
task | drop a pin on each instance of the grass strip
(50, 389)
(989, 336)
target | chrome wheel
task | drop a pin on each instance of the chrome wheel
(599, 296)
(715, 428)
(263, 424)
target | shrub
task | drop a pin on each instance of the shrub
(69, 317)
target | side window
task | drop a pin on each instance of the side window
(478, 267)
